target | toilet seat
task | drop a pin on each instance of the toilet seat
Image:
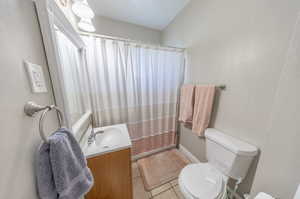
(201, 181)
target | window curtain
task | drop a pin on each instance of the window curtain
(135, 85)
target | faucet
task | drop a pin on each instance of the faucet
(92, 136)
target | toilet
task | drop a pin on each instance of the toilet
(227, 158)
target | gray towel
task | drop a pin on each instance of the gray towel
(61, 168)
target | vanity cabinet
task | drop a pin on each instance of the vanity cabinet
(112, 175)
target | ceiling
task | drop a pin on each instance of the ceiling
(156, 14)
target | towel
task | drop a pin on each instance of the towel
(204, 100)
(61, 169)
(186, 104)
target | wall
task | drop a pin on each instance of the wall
(244, 45)
(121, 29)
(278, 172)
(20, 39)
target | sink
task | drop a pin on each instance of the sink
(107, 139)
(110, 137)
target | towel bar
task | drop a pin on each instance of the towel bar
(31, 108)
(222, 86)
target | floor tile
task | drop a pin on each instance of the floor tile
(160, 189)
(174, 182)
(138, 189)
(169, 194)
(178, 192)
(135, 170)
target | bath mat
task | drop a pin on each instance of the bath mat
(161, 168)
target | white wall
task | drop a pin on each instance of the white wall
(20, 39)
(278, 171)
(243, 44)
(121, 29)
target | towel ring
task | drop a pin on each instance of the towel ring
(31, 108)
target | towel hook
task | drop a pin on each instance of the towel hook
(31, 108)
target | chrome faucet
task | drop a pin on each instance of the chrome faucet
(92, 136)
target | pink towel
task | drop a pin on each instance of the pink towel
(204, 100)
(186, 104)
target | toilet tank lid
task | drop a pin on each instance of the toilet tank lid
(234, 145)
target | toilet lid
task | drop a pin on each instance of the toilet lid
(202, 181)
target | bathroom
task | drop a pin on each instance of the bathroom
(246, 50)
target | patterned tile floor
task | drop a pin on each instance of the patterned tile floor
(167, 191)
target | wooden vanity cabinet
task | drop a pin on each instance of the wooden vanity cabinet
(112, 175)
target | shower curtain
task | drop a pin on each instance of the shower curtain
(138, 86)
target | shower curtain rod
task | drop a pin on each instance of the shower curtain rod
(133, 41)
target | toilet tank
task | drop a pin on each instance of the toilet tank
(229, 155)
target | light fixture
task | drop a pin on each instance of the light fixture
(82, 9)
(86, 25)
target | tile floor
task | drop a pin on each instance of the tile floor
(167, 191)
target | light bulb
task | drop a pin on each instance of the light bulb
(82, 9)
(86, 25)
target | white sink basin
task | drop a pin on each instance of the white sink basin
(107, 139)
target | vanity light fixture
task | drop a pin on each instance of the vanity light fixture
(86, 25)
(64, 2)
(82, 9)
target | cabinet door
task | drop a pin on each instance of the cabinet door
(112, 174)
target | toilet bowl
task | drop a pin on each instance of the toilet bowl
(202, 181)
(227, 157)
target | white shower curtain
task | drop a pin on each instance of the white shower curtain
(138, 86)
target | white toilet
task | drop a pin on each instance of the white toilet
(227, 157)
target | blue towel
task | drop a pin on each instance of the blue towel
(61, 169)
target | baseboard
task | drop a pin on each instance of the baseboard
(142, 155)
(188, 154)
